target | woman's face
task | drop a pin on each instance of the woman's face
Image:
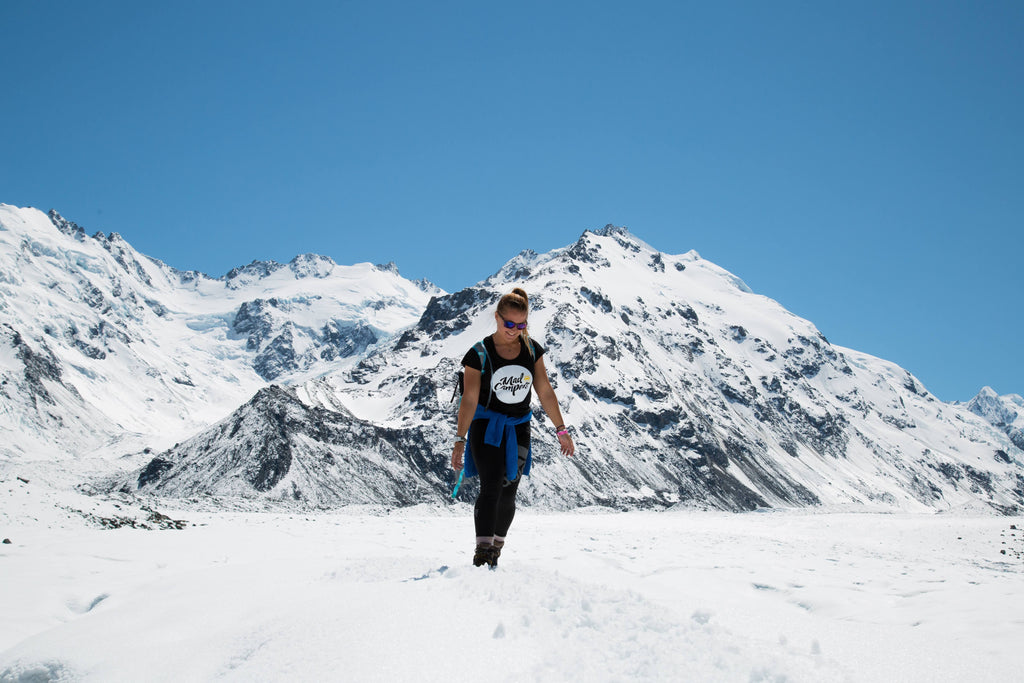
(517, 318)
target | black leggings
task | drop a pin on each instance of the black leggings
(496, 504)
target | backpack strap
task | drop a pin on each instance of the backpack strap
(460, 376)
(481, 351)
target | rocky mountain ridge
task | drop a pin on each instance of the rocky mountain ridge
(327, 385)
(682, 385)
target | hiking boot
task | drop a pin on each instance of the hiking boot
(486, 554)
(498, 545)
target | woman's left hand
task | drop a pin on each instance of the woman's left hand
(565, 441)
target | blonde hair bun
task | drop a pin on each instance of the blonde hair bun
(516, 299)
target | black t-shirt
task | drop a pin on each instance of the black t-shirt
(506, 383)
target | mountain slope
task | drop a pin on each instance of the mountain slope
(105, 351)
(1006, 413)
(682, 386)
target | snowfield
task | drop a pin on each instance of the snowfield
(375, 595)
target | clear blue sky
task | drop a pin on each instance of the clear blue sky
(860, 162)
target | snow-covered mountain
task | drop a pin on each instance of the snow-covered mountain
(682, 386)
(1004, 412)
(104, 351)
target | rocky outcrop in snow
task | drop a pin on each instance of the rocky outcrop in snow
(276, 444)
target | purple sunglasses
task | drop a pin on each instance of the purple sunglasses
(509, 324)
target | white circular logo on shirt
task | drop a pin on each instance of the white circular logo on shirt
(511, 384)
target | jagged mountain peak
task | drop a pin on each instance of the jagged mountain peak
(64, 225)
(610, 230)
(616, 252)
(598, 250)
(255, 270)
(312, 265)
(1006, 409)
(591, 247)
(619, 236)
(1005, 413)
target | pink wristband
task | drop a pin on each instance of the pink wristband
(564, 431)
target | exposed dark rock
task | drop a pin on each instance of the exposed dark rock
(449, 314)
(278, 356)
(153, 471)
(587, 253)
(342, 340)
(65, 226)
(38, 366)
(314, 265)
(596, 299)
(256, 270)
(156, 307)
(254, 319)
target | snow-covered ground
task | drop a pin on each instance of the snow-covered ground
(364, 595)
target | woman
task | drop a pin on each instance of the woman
(495, 412)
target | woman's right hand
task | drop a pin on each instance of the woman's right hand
(457, 452)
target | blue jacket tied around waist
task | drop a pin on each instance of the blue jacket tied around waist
(498, 426)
